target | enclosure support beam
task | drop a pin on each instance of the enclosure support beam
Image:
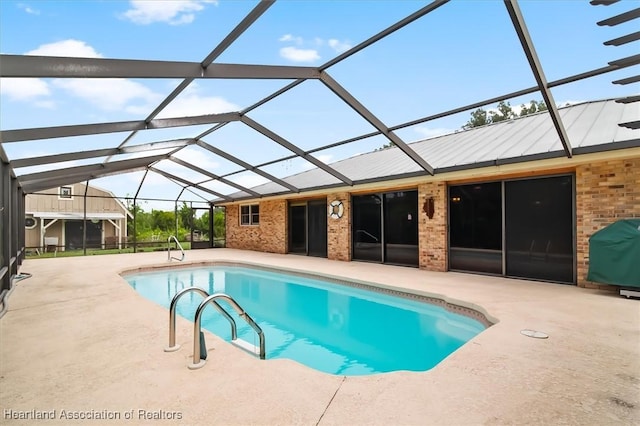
(246, 165)
(529, 50)
(293, 148)
(212, 175)
(350, 100)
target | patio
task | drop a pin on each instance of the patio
(76, 337)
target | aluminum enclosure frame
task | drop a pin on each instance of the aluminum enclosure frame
(14, 66)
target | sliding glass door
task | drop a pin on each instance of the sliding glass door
(308, 228)
(298, 228)
(401, 228)
(520, 228)
(317, 228)
(475, 223)
(539, 228)
(385, 227)
(367, 227)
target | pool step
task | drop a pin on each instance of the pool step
(249, 347)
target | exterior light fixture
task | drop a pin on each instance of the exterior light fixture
(429, 207)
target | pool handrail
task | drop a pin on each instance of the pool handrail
(172, 316)
(169, 257)
(197, 362)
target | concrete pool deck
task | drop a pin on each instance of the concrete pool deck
(76, 337)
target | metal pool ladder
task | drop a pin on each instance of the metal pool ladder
(211, 299)
(169, 257)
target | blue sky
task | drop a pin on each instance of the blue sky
(463, 52)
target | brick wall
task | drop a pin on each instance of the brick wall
(339, 230)
(270, 235)
(432, 233)
(605, 192)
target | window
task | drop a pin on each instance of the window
(250, 214)
(65, 193)
(30, 222)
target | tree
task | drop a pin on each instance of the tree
(532, 108)
(163, 220)
(386, 146)
(504, 112)
(185, 214)
(480, 117)
(219, 223)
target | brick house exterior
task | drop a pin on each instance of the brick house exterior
(607, 188)
(505, 199)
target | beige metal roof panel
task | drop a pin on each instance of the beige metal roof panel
(387, 162)
(587, 124)
(581, 123)
(77, 216)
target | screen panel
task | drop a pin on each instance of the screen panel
(401, 227)
(475, 226)
(539, 228)
(367, 227)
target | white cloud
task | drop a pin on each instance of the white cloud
(152, 179)
(110, 94)
(299, 55)
(34, 89)
(339, 46)
(115, 94)
(45, 104)
(289, 37)
(24, 89)
(173, 12)
(107, 94)
(197, 157)
(428, 132)
(28, 9)
(325, 158)
(67, 48)
(190, 103)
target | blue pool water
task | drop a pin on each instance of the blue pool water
(333, 328)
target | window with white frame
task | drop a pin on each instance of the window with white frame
(250, 214)
(65, 193)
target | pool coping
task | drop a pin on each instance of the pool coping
(456, 306)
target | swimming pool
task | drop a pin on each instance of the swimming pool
(335, 328)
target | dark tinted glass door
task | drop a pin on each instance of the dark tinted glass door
(317, 228)
(539, 228)
(401, 227)
(74, 234)
(367, 227)
(298, 229)
(475, 227)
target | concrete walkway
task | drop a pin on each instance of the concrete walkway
(79, 340)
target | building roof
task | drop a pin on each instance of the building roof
(77, 216)
(106, 191)
(590, 126)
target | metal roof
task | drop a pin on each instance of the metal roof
(77, 216)
(591, 126)
(565, 132)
